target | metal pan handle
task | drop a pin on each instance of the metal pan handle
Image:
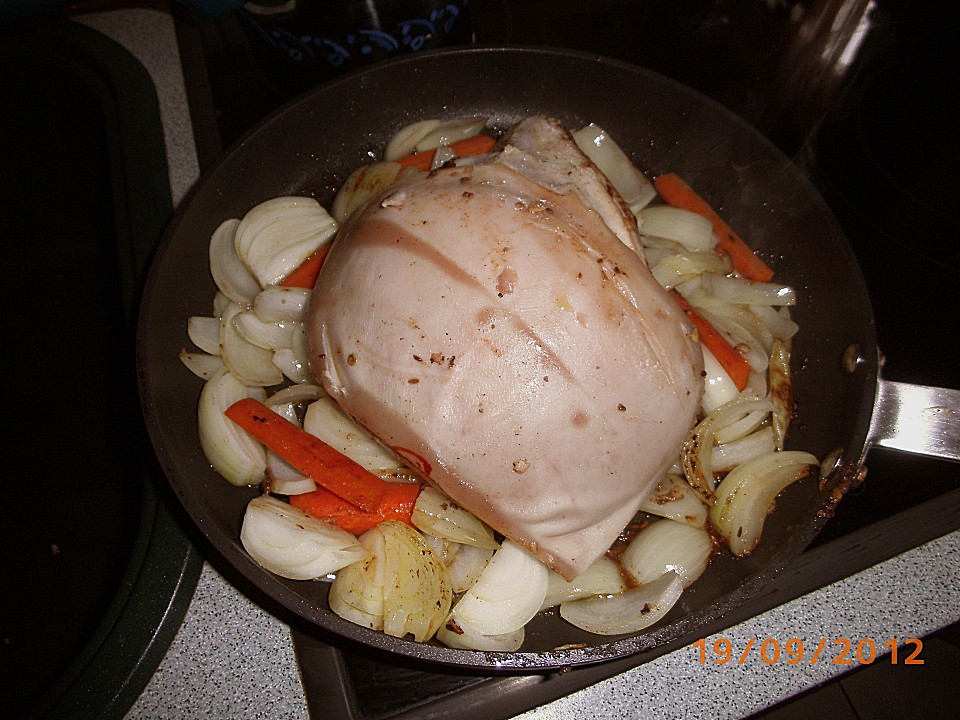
(916, 419)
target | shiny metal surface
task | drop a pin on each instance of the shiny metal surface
(917, 419)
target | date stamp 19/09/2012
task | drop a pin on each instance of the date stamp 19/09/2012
(793, 651)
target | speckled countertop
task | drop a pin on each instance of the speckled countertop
(232, 659)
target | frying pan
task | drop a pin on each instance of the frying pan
(311, 145)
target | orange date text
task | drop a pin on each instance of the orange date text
(794, 651)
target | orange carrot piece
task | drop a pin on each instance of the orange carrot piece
(397, 504)
(676, 192)
(475, 145)
(725, 353)
(305, 276)
(327, 466)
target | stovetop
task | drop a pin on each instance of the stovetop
(827, 98)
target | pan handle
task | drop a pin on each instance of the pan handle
(916, 419)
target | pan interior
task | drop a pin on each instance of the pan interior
(310, 146)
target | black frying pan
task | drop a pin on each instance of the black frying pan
(309, 148)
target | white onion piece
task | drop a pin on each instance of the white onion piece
(276, 303)
(437, 514)
(668, 546)
(718, 388)
(753, 350)
(777, 320)
(351, 613)
(676, 500)
(253, 365)
(220, 304)
(203, 365)
(661, 247)
(324, 419)
(629, 612)
(747, 292)
(290, 543)
(302, 353)
(292, 361)
(417, 593)
(634, 187)
(356, 594)
(452, 635)
(442, 156)
(277, 235)
(295, 394)
(507, 594)
(449, 132)
(747, 493)
(365, 182)
(697, 452)
(442, 548)
(290, 366)
(693, 231)
(282, 477)
(239, 458)
(268, 335)
(467, 565)
(231, 276)
(414, 593)
(655, 255)
(204, 332)
(746, 424)
(781, 391)
(727, 456)
(672, 270)
(603, 577)
(406, 139)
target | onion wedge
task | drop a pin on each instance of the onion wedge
(452, 635)
(634, 187)
(507, 595)
(231, 276)
(416, 590)
(290, 543)
(277, 235)
(400, 587)
(697, 453)
(324, 419)
(603, 577)
(467, 566)
(781, 390)
(202, 365)
(276, 303)
(405, 141)
(450, 131)
(693, 231)
(267, 335)
(676, 500)
(438, 515)
(747, 493)
(252, 364)
(668, 546)
(628, 612)
(204, 332)
(239, 458)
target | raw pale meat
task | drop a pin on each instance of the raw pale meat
(498, 335)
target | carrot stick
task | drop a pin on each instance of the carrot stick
(475, 145)
(725, 353)
(305, 276)
(676, 192)
(328, 467)
(397, 504)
